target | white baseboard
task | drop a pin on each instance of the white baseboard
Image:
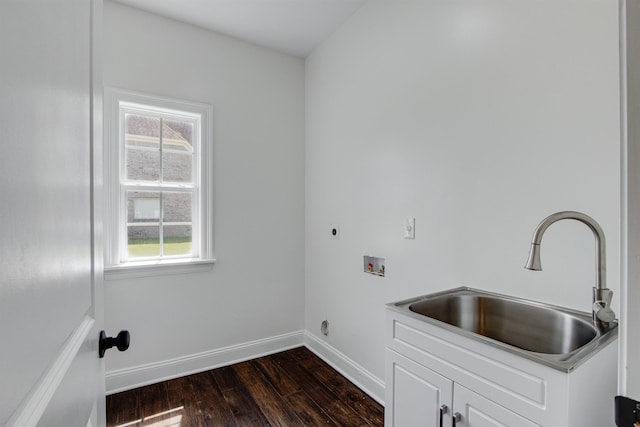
(129, 378)
(138, 376)
(354, 372)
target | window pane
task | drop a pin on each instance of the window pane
(177, 135)
(142, 143)
(177, 240)
(143, 241)
(177, 151)
(177, 207)
(143, 206)
(143, 223)
(177, 167)
(146, 209)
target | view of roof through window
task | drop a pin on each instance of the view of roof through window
(145, 131)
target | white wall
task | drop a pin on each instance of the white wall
(477, 117)
(255, 290)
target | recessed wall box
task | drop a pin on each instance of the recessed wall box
(374, 265)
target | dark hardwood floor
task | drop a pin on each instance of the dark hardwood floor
(292, 388)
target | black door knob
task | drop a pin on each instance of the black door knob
(121, 341)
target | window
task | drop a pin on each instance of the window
(157, 180)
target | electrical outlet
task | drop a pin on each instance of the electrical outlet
(409, 228)
(334, 232)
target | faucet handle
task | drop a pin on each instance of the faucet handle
(603, 295)
(602, 312)
(601, 305)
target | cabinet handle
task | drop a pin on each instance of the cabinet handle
(456, 418)
(443, 410)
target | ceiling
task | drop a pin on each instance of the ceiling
(295, 27)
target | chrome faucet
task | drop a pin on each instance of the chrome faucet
(601, 310)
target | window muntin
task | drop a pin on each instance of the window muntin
(158, 172)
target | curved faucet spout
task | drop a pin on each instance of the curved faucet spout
(601, 311)
(533, 263)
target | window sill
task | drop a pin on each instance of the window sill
(155, 268)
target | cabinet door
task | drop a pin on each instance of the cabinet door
(478, 411)
(415, 395)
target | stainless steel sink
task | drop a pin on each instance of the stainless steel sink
(529, 327)
(555, 336)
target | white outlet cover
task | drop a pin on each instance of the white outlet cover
(409, 228)
(334, 232)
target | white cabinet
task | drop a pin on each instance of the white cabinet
(477, 411)
(418, 396)
(428, 366)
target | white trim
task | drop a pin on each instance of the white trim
(624, 202)
(354, 372)
(129, 378)
(33, 406)
(155, 268)
(98, 412)
(114, 99)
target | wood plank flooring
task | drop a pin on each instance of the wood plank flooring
(292, 388)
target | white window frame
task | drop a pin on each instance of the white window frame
(116, 265)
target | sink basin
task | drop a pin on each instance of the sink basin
(555, 336)
(530, 327)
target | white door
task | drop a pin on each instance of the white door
(415, 395)
(50, 287)
(629, 383)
